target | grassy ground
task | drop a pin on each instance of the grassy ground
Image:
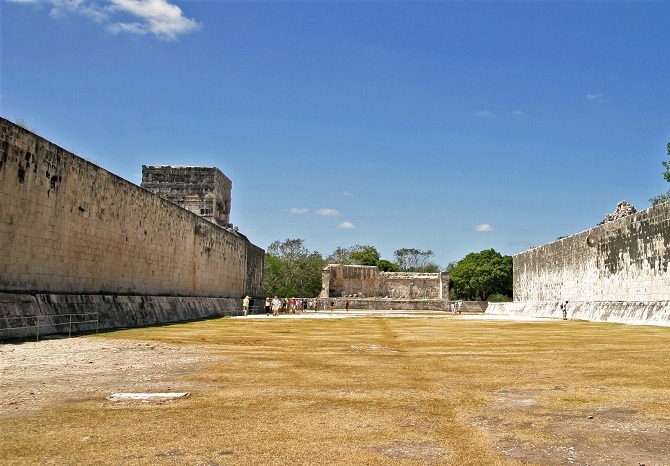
(375, 391)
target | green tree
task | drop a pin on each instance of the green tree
(415, 260)
(666, 175)
(387, 266)
(365, 255)
(291, 270)
(481, 274)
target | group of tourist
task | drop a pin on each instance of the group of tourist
(297, 305)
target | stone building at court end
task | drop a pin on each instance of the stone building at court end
(366, 287)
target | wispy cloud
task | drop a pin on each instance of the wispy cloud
(327, 213)
(299, 210)
(483, 227)
(484, 114)
(346, 226)
(342, 194)
(518, 113)
(159, 18)
(597, 97)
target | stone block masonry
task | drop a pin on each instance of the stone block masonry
(68, 226)
(617, 271)
(411, 290)
(205, 191)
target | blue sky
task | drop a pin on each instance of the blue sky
(449, 126)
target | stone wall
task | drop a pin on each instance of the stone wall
(617, 271)
(36, 315)
(389, 304)
(362, 281)
(623, 260)
(69, 226)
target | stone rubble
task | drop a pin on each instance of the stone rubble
(623, 209)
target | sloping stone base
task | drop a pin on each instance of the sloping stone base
(24, 315)
(628, 312)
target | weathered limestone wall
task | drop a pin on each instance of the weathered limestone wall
(27, 315)
(617, 271)
(411, 285)
(384, 304)
(622, 260)
(362, 281)
(69, 226)
(347, 280)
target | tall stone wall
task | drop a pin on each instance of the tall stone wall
(617, 271)
(623, 260)
(363, 281)
(69, 226)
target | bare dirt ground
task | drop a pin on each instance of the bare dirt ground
(459, 391)
(57, 370)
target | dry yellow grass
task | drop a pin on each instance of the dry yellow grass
(373, 391)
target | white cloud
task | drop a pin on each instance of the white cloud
(327, 212)
(299, 210)
(346, 226)
(517, 113)
(484, 114)
(483, 227)
(159, 18)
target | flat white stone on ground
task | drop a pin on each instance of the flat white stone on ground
(147, 396)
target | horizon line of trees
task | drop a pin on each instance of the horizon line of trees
(292, 270)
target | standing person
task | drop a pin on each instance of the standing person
(332, 306)
(564, 310)
(346, 305)
(245, 305)
(276, 305)
(267, 306)
(458, 306)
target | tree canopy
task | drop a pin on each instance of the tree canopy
(481, 274)
(291, 270)
(366, 255)
(666, 175)
(415, 260)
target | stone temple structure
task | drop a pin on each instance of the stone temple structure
(205, 191)
(366, 287)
